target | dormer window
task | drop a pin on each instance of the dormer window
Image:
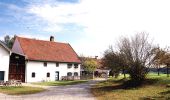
(45, 64)
(69, 65)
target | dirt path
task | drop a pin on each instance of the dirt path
(70, 92)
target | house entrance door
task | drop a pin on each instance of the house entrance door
(56, 75)
(2, 75)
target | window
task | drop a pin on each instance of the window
(33, 74)
(69, 74)
(75, 65)
(45, 64)
(69, 65)
(16, 57)
(57, 64)
(75, 74)
(48, 74)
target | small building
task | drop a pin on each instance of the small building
(4, 61)
(39, 60)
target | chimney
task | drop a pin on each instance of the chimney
(52, 38)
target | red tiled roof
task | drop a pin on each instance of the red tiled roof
(48, 51)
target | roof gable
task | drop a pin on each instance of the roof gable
(47, 51)
(16, 48)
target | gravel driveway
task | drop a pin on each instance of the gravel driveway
(69, 92)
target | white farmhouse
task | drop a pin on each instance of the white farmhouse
(38, 60)
(4, 61)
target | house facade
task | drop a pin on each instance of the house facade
(38, 60)
(49, 71)
(4, 62)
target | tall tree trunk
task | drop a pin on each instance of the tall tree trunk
(167, 70)
(124, 75)
(158, 70)
(124, 72)
(93, 74)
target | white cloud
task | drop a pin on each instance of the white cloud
(106, 20)
(52, 28)
(59, 13)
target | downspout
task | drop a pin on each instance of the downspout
(8, 65)
(26, 61)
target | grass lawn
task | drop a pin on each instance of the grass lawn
(61, 83)
(155, 89)
(20, 90)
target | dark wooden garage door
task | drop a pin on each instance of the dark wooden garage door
(2, 75)
(17, 72)
(17, 67)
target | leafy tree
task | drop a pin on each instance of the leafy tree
(123, 63)
(9, 41)
(158, 59)
(90, 65)
(138, 54)
(162, 57)
(166, 61)
(114, 61)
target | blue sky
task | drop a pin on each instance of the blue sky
(15, 19)
(90, 26)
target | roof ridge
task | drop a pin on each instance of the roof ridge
(41, 40)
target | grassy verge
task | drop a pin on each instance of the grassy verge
(20, 90)
(61, 83)
(156, 89)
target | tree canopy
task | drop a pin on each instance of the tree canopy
(9, 41)
(113, 60)
(90, 65)
(162, 57)
(135, 54)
